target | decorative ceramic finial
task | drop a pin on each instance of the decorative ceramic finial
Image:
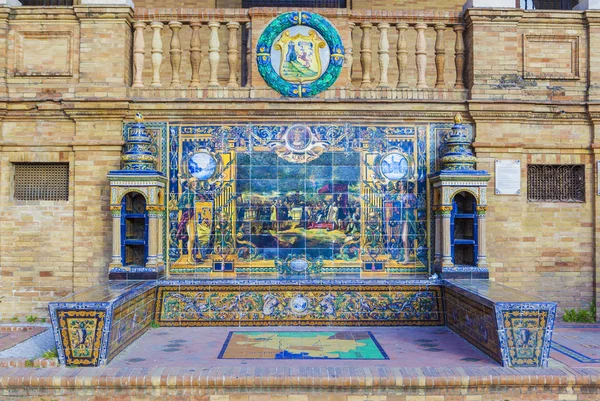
(137, 153)
(457, 153)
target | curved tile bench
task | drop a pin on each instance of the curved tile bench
(93, 326)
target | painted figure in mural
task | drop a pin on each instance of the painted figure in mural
(408, 218)
(186, 229)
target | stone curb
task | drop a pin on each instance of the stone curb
(584, 379)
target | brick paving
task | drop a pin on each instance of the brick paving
(13, 335)
(191, 370)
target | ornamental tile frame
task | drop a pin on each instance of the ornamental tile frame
(301, 70)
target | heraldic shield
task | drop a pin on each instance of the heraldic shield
(300, 56)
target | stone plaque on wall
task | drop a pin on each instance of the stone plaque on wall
(508, 177)
(551, 56)
(44, 54)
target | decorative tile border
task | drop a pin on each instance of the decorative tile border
(261, 305)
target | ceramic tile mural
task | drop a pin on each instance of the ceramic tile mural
(309, 305)
(299, 199)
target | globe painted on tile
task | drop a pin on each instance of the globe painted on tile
(394, 167)
(299, 304)
(202, 165)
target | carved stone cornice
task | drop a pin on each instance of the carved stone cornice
(87, 13)
(348, 114)
(94, 110)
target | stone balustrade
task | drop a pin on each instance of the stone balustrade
(211, 53)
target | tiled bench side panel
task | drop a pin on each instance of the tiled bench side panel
(473, 321)
(130, 320)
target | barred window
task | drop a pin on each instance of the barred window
(556, 183)
(41, 181)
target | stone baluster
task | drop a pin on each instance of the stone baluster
(249, 55)
(459, 56)
(233, 54)
(175, 52)
(365, 54)
(402, 55)
(440, 55)
(421, 55)
(195, 53)
(138, 54)
(213, 52)
(157, 52)
(384, 54)
(349, 55)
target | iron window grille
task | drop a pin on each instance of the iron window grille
(41, 181)
(556, 183)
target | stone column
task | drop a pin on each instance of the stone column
(365, 54)
(152, 236)
(402, 55)
(157, 51)
(481, 244)
(384, 54)
(421, 55)
(175, 52)
(233, 54)
(437, 259)
(117, 260)
(446, 250)
(213, 52)
(159, 236)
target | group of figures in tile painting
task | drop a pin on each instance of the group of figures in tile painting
(295, 198)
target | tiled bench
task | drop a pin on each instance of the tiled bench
(93, 326)
(511, 327)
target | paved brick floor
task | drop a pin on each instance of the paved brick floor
(13, 335)
(409, 347)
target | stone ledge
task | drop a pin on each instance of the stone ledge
(244, 379)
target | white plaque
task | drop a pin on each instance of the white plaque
(508, 177)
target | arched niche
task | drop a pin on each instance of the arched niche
(464, 229)
(134, 229)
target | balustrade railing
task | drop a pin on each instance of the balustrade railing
(214, 54)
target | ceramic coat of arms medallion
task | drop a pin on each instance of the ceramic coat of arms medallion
(300, 54)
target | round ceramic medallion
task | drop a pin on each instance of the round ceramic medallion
(298, 138)
(394, 166)
(299, 304)
(300, 54)
(202, 165)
